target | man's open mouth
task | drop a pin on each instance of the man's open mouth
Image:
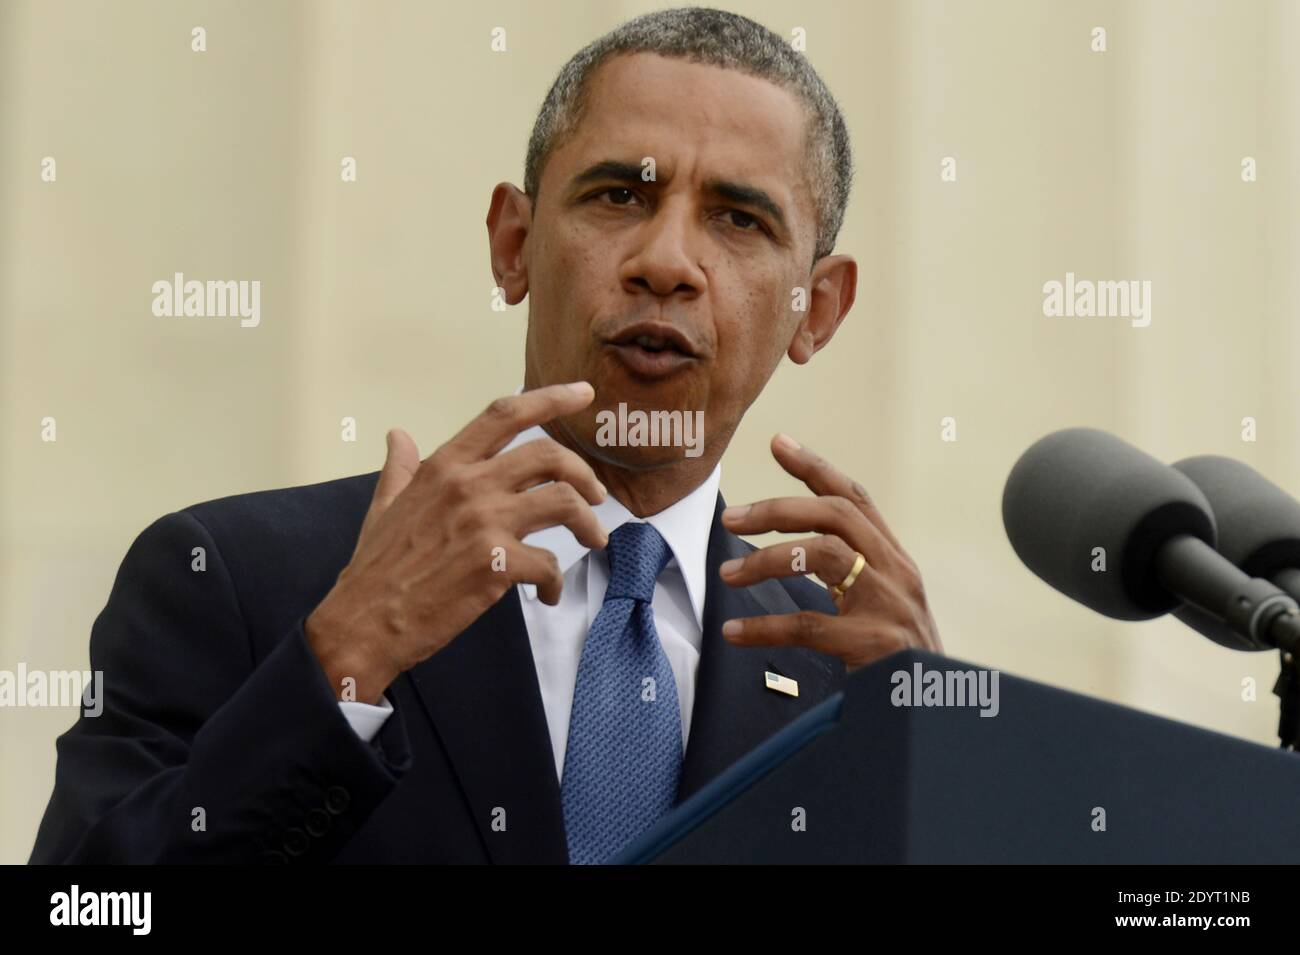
(652, 349)
(652, 344)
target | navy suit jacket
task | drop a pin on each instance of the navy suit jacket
(221, 740)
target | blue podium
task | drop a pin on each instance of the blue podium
(1053, 777)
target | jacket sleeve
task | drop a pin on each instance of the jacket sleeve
(199, 753)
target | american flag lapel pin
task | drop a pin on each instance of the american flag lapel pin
(782, 684)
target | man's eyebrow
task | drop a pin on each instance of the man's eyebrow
(609, 169)
(749, 196)
(613, 170)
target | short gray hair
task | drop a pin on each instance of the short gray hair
(715, 38)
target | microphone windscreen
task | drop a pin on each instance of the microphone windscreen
(1080, 500)
(1259, 531)
(1258, 522)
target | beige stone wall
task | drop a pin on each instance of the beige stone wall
(376, 294)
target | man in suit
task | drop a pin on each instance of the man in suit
(530, 645)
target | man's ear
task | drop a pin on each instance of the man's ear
(509, 219)
(832, 287)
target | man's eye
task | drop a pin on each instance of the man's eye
(744, 221)
(619, 196)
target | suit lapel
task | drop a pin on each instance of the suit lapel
(734, 709)
(481, 693)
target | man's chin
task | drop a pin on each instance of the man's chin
(633, 458)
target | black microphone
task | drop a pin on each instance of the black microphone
(1259, 531)
(1130, 537)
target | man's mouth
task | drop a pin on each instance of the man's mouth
(652, 349)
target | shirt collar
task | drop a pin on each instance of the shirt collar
(685, 526)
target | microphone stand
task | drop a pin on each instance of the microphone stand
(1287, 688)
(1261, 611)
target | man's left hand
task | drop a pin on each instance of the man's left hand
(883, 611)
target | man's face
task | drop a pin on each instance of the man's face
(672, 294)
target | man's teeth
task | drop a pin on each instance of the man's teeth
(650, 343)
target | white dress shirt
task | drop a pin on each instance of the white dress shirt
(557, 634)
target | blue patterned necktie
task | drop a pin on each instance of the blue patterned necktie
(624, 754)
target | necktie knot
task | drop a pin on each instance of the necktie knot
(637, 556)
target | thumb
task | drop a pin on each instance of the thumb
(400, 465)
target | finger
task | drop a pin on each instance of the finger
(822, 477)
(526, 564)
(504, 418)
(826, 515)
(557, 504)
(546, 460)
(822, 632)
(834, 636)
(827, 556)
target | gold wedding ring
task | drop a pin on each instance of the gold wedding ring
(847, 582)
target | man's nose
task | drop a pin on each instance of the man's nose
(665, 262)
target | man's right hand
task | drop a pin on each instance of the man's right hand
(427, 562)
